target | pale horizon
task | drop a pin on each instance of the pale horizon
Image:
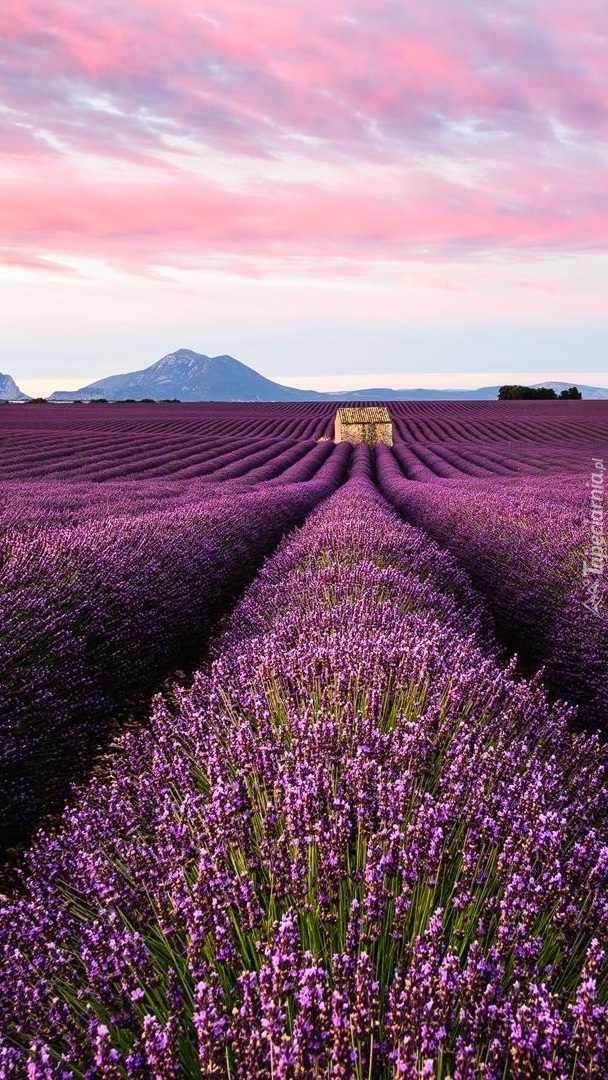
(335, 384)
(321, 190)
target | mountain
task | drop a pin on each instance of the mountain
(481, 393)
(9, 391)
(586, 391)
(191, 376)
(419, 393)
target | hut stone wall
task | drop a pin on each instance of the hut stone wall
(367, 425)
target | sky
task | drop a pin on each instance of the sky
(340, 193)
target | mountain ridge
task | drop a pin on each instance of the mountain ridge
(191, 376)
(9, 391)
(186, 375)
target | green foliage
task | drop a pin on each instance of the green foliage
(519, 393)
(573, 393)
(540, 393)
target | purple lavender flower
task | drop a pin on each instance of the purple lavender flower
(356, 846)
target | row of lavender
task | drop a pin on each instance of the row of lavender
(65, 607)
(506, 422)
(355, 848)
(431, 461)
(26, 506)
(433, 440)
(98, 605)
(88, 443)
(218, 460)
(533, 547)
(253, 459)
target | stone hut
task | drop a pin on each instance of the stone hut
(361, 424)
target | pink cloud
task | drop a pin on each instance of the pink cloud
(410, 68)
(185, 221)
(27, 261)
(394, 98)
(539, 285)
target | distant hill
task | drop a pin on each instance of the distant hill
(586, 391)
(9, 391)
(192, 376)
(481, 393)
(419, 393)
(189, 376)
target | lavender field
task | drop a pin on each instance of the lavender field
(302, 745)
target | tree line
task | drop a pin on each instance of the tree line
(517, 393)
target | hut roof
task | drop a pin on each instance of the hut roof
(364, 415)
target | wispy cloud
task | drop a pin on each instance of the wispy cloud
(350, 131)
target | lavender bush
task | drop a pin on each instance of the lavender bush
(93, 614)
(357, 847)
(524, 543)
(95, 443)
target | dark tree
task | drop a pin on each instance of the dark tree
(519, 393)
(573, 394)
